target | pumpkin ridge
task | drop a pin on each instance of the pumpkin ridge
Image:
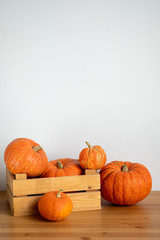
(41, 165)
(67, 161)
(69, 164)
(136, 165)
(118, 164)
(140, 198)
(113, 193)
(137, 179)
(60, 172)
(103, 170)
(144, 179)
(72, 168)
(66, 171)
(132, 166)
(27, 164)
(98, 154)
(45, 172)
(44, 204)
(88, 157)
(139, 166)
(130, 180)
(123, 189)
(108, 195)
(107, 166)
(51, 210)
(108, 175)
(14, 164)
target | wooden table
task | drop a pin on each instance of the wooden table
(141, 221)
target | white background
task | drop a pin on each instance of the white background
(77, 70)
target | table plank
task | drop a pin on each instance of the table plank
(140, 221)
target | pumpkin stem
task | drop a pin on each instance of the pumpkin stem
(124, 168)
(88, 144)
(58, 194)
(37, 148)
(59, 165)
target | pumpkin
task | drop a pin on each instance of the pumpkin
(55, 206)
(92, 157)
(23, 155)
(125, 183)
(62, 167)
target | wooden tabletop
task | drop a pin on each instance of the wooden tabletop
(141, 221)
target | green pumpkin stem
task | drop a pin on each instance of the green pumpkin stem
(88, 144)
(124, 168)
(59, 193)
(37, 148)
(59, 165)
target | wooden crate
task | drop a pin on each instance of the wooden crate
(23, 194)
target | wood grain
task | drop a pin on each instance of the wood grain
(9, 178)
(27, 205)
(140, 221)
(23, 194)
(21, 176)
(22, 186)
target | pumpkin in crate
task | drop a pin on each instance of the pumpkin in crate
(55, 206)
(62, 167)
(125, 183)
(92, 157)
(23, 155)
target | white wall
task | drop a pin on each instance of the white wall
(82, 70)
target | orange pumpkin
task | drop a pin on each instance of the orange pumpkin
(55, 206)
(62, 167)
(125, 183)
(23, 155)
(92, 157)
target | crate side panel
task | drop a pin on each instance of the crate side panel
(68, 184)
(9, 179)
(91, 172)
(25, 206)
(10, 199)
(82, 201)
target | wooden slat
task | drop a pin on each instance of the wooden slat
(21, 176)
(90, 172)
(85, 201)
(9, 178)
(10, 199)
(43, 185)
(82, 201)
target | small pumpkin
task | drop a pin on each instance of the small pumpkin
(55, 206)
(125, 183)
(23, 155)
(92, 157)
(62, 167)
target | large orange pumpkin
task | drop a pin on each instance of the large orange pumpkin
(55, 206)
(92, 157)
(23, 155)
(125, 183)
(62, 167)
